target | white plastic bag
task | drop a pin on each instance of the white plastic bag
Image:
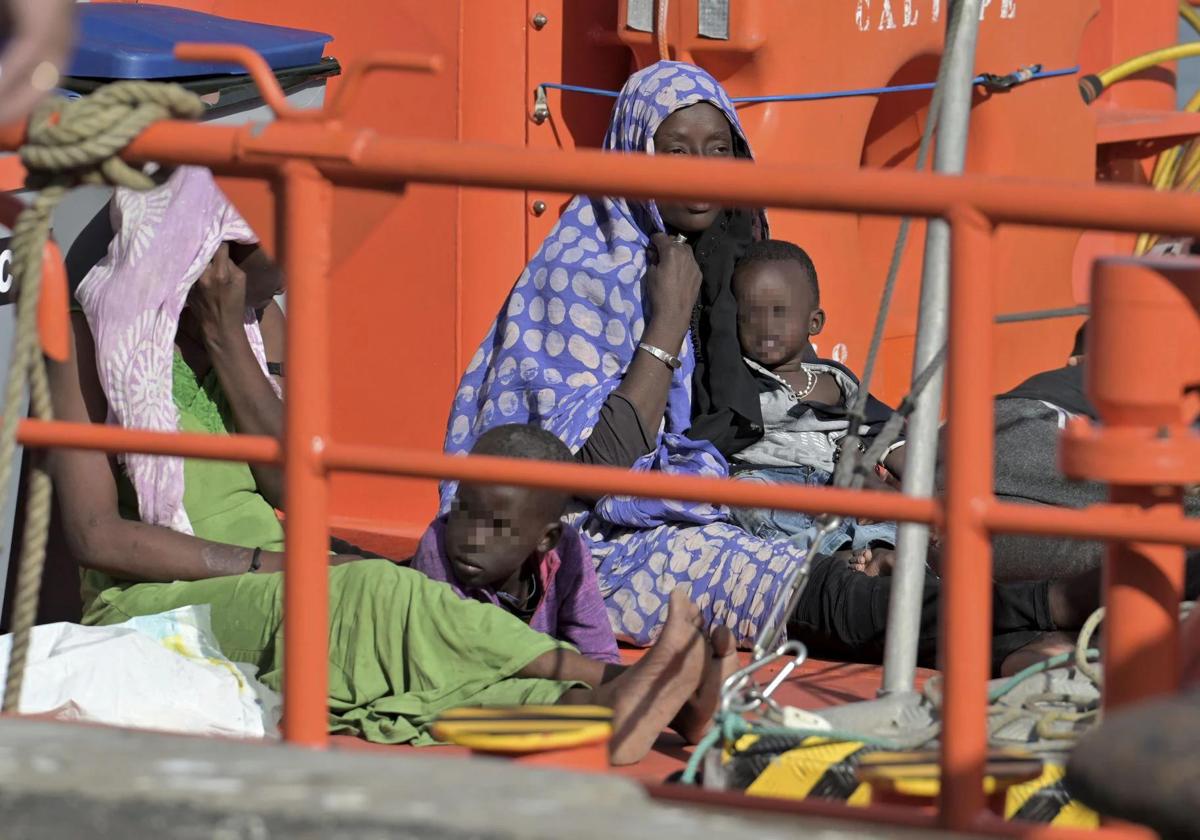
(161, 672)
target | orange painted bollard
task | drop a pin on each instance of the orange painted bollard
(1146, 320)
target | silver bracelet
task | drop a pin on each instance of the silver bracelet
(662, 355)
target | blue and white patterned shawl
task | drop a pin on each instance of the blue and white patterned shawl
(570, 327)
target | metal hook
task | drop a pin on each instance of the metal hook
(541, 107)
(754, 697)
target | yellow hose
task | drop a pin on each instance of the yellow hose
(1177, 167)
(1190, 167)
(1136, 65)
(1188, 13)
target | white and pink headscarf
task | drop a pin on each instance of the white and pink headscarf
(165, 238)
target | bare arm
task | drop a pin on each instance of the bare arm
(86, 487)
(671, 288)
(218, 302)
(273, 324)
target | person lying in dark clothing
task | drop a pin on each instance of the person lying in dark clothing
(1029, 420)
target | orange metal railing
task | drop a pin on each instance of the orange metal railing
(305, 155)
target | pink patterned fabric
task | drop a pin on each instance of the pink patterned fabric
(165, 238)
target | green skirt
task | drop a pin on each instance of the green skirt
(402, 648)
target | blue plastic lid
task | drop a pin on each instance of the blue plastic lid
(135, 41)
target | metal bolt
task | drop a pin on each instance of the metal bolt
(541, 107)
(538, 207)
(540, 20)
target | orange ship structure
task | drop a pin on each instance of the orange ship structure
(403, 211)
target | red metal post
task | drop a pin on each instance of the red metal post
(305, 215)
(1143, 585)
(1142, 359)
(966, 605)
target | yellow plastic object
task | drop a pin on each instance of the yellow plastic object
(1189, 14)
(918, 774)
(1175, 168)
(1142, 62)
(1045, 800)
(1020, 784)
(820, 769)
(524, 729)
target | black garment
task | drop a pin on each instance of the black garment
(725, 407)
(339, 546)
(524, 609)
(618, 439)
(842, 615)
(1027, 437)
(1062, 387)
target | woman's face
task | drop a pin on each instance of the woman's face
(700, 130)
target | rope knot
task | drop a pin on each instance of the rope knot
(77, 142)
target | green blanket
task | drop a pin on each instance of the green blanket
(402, 648)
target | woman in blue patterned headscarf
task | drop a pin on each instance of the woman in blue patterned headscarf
(620, 338)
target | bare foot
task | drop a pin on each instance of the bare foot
(697, 714)
(875, 562)
(649, 694)
(1045, 646)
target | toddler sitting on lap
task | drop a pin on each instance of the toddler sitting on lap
(506, 546)
(805, 400)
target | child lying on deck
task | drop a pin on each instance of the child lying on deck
(804, 399)
(506, 546)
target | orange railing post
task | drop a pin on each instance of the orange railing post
(966, 605)
(305, 213)
(1142, 358)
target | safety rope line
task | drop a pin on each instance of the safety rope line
(660, 30)
(1043, 314)
(988, 81)
(69, 143)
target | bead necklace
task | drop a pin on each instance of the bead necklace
(810, 384)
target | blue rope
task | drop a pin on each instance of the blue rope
(834, 94)
(612, 94)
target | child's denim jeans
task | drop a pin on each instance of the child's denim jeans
(787, 524)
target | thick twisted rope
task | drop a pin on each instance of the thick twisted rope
(68, 143)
